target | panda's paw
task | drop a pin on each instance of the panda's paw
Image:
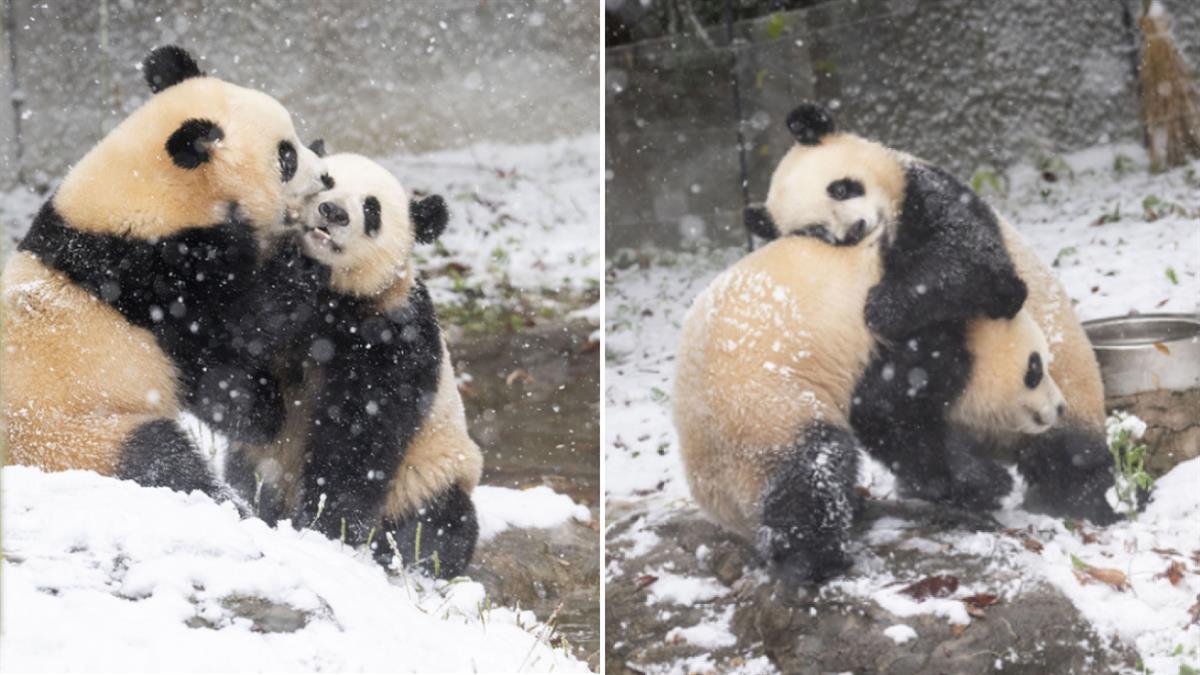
(980, 485)
(882, 313)
(1007, 297)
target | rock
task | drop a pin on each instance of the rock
(1172, 425)
(1032, 629)
(555, 572)
(265, 616)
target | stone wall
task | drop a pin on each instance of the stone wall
(963, 83)
(368, 75)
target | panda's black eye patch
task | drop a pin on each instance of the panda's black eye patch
(372, 216)
(287, 160)
(846, 188)
(327, 181)
(1033, 373)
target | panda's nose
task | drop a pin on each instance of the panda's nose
(333, 214)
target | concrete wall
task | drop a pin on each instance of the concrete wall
(964, 83)
(368, 75)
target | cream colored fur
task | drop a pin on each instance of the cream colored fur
(75, 377)
(777, 342)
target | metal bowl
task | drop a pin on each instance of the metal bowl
(1147, 352)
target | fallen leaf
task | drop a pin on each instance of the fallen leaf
(589, 347)
(1174, 573)
(1112, 577)
(1032, 545)
(643, 581)
(1166, 551)
(936, 586)
(1162, 348)
(975, 611)
(957, 629)
(1088, 537)
(518, 374)
(1162, 302)
(982, 599)
(1194, 611)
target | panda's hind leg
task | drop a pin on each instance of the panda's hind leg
(810, 505)
(159, 453)
(448, 529)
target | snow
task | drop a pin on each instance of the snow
(713, 634)
(900, 633)
(681, 590)
(105, 574)
(1109, 265)
(501, 508)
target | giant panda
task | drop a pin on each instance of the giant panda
(843, 186)
(114, 302)
(375, 443)
(769, 359)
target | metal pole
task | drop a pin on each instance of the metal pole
(737, 110)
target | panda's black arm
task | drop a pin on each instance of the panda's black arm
(948, 261)
(379, 389)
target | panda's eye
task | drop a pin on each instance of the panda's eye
(846, 188)
(287, 160)
(372, 220)
(1033, 373)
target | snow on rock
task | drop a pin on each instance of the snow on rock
(106, 575)
(501, 508)
(900, 633)
(681, 590)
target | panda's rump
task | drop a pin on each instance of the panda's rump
(76, 377)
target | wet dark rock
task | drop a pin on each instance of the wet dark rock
(822, 630)
(555, 572)
(265, 616)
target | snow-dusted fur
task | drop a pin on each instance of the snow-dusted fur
(770, 356)
(374, 438)
(114, 303)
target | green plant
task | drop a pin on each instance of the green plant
(1129, 460)
(987, 181)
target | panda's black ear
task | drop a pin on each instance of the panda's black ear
(318, 147)
(429, 217)
(759, 222)
(167, 66)
(809, 123)
(191, 144)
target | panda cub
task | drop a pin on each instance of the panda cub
(374, 442)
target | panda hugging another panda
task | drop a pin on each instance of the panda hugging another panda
(895, 313)
(372, 444)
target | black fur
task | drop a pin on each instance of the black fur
(810, 505)
(381, 373)
(448, 528)
(327, 181)
(318, 147)
(181, 289)
(947, 262)
(1069, 469)
(372, 217)
(758, 222)
(809, 123)
(167, 66)
(191, 143)
(288, 161)
(898, 411)
(429, 217)
(159, 454)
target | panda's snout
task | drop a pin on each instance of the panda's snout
(333, 214)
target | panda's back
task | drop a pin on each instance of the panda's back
(772, 344)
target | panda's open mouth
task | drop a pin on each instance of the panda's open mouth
(321, 236)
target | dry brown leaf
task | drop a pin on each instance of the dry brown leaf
(982, 599)
(589, 347)
(1112, 577)
(936, 586)
(974, 611)
(644, 581)
(1162, 348)
(1032, 544)
(1166, 551)
(1088, 537)
(1174, 573)
(518, 374)
(957, 629)
(1194, 611)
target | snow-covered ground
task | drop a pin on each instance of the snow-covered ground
(103, 575)
(1120, 239)
(100, 574)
